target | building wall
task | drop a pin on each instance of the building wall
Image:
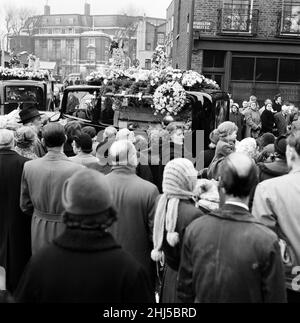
(181, 44)
(207, 10)
(170, 29)
(263, 47)
(49, 29)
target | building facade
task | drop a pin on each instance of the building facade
(250, 47)
(81, 43)
(170, 29)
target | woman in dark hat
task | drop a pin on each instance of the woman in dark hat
(84, 264)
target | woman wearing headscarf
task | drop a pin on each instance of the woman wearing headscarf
(175, 211)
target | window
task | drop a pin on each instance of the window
(44, 44)
(289, 70)
(70, 30)
(148, 64)
(57, 21)
(236, 15)
(242, 68)
(213, 59)
(56, 44)
(70, 43)
(266, 69)
(71, 21)
(57, 31)
(56, 48)
(291, 17)
(91, 55)
(92, 42)
(160, 39)
(148, 46)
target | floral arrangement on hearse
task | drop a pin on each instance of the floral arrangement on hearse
(163, 85)
(23, 74)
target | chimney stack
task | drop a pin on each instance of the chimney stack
(47, 10)
(87, 9)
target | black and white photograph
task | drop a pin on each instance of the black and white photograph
(149, 155)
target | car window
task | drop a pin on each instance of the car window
(30, 94)
(83, 104)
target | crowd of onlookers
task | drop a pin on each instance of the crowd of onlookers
(87, 217)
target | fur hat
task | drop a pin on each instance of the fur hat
(86, 193)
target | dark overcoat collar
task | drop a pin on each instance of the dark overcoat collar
(86, 241)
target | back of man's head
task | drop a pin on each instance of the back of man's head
(54, 135)
(293, 148)
(6, 138)
(239, 175)
(123, 153)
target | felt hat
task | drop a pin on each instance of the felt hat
(28, 114)
(86, 193)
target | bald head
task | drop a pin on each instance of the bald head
(239, 175)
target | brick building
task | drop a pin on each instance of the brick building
(247, 46)
(170, 29)
(80, 43)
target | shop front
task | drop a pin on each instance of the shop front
(249, 67)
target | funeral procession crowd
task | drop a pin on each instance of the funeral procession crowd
(86, 221)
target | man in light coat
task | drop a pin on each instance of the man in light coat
(134, 199)
(41, 186)
(85, 264)
(278, 199)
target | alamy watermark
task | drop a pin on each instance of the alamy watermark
(155, 150)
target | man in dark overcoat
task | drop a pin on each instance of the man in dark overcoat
(15, 246)
(85, 264)
(228, 256)
(134, 199)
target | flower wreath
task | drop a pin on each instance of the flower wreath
(169, 98)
